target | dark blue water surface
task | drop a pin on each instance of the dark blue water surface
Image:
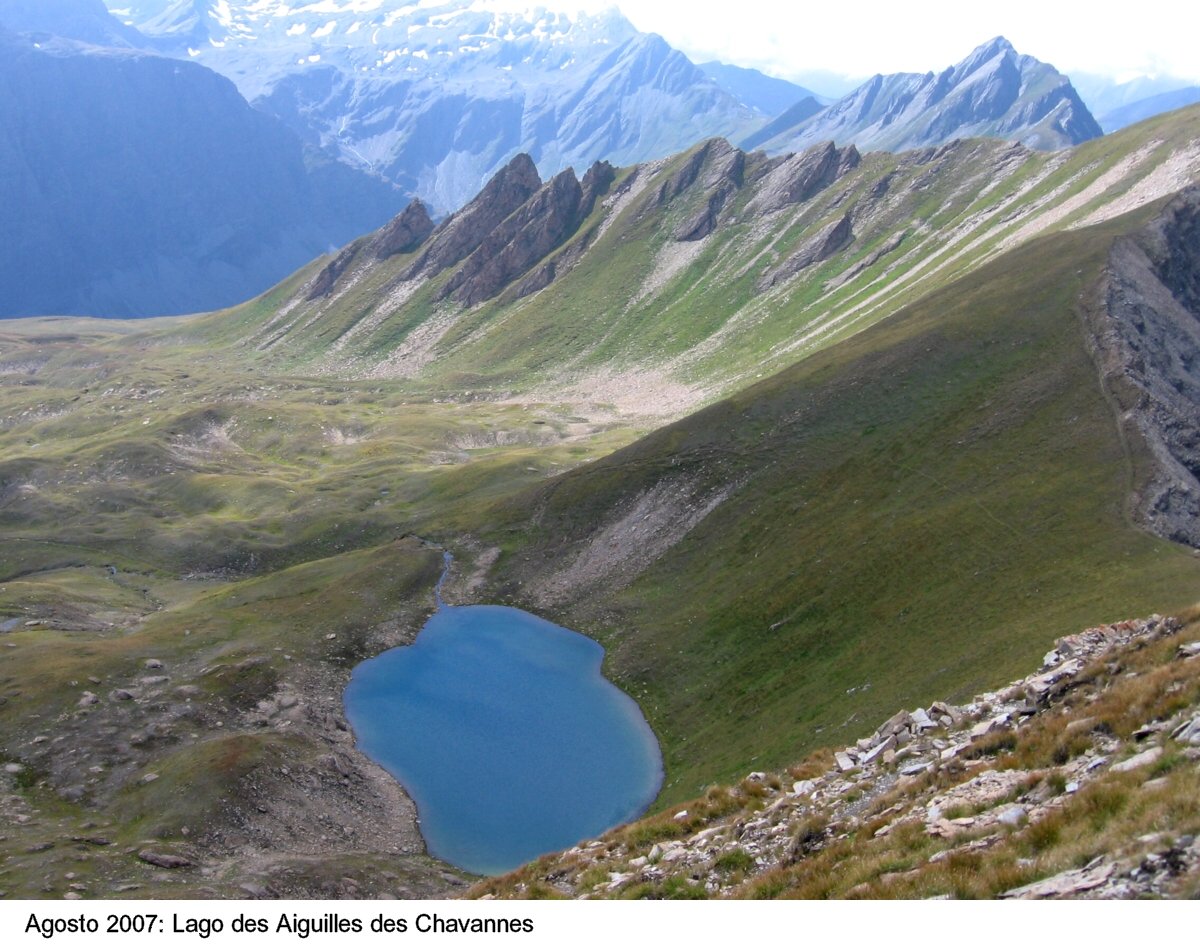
(502, 728)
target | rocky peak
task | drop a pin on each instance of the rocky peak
(994, 91)
(404, 233)
(596, 181)
(463, 232)
(798, 177)
(540, 225)
(995, 48)
(724, 173)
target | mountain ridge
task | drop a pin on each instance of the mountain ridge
(138, 185)
(993, 91)
(728, 234)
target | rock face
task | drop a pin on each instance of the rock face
(494, 243)
(136, 185)
(993, 92)
(521, 240)
(404, 233)
(1146, 327)
(725, 170)
(821, 246)
(798, 177)
(463, 232)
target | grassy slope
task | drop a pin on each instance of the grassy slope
(707, 325)
(921, 511)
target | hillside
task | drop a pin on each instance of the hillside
(711, 269)
(207, 522)
(136, 185)
(1074, 782)
(810, 550)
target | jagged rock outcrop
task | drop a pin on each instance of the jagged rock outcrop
(596, 183)
(726, 175)
(798, 177)
(461, 233)
(520, 241)
(687, 173)
(827, 242)
(1146, 326)
(322, 285)
(404, 233)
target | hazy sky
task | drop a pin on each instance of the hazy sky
(861, 37)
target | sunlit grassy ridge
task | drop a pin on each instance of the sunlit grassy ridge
(638, 299)
(909, 515)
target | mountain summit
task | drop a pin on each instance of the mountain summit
(994, 92)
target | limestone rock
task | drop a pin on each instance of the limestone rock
(538, 226)
(799, 177)
(1188, 732)
(460, 234)
(1067, 884)
(404, 233)
(1149, 757)
(824, 244)
(162, 860)
(322, 285)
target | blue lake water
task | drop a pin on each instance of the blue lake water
(504, 731)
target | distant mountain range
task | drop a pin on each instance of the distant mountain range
(994, 92)
(136, 185)
(1151, 105)
(438, 97)
(187, 198)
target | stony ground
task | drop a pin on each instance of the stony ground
(1078, 781)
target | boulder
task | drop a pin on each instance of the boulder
(1067, 884)
(1188, 732)
(162, 860)
(1149, 757)
(988, 726)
